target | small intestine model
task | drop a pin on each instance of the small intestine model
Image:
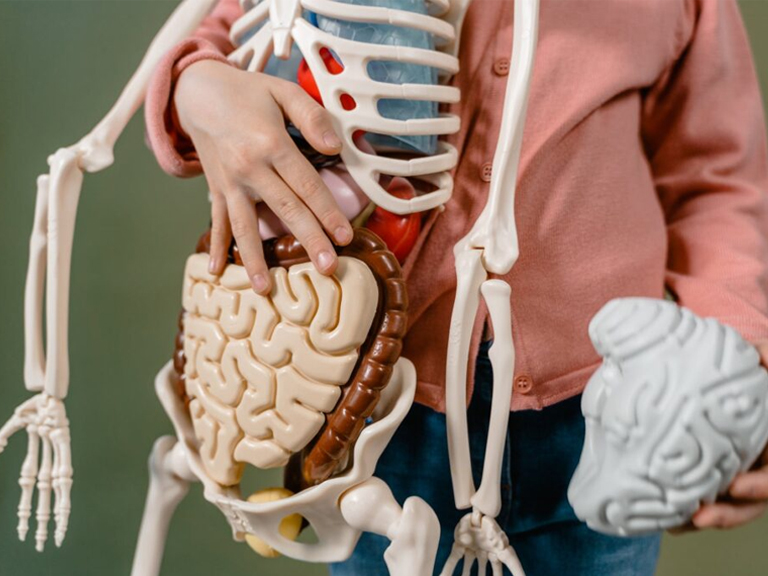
(310, 378)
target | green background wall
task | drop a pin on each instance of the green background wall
(62, 63)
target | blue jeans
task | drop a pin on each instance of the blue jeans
(542, 451)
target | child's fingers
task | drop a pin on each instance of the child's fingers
(299, 220)
(751, 485)
(221, 234)
(728, 515)
(299, 174)
(245, 228)
(308, 116)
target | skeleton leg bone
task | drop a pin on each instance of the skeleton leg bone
(169, 479)
(413, 529)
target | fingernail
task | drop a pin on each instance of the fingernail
(325, 260)
(331, 140)
(212, 265)
(343, 235)
(259, 282)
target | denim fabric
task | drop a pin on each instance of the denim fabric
(542, 451)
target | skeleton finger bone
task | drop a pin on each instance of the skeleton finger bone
(43, 514)
(469, 560)
(13, 425)
(482, 564)
(62, 482)
(479, 536)
(457, 553)
(27, 481)
(510, 559)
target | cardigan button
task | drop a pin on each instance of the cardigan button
(486, 171)
(523, 384)
(501, 67)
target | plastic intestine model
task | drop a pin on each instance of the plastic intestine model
(311, 379)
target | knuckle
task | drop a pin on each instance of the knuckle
(219, 229)
(316, 243)
(267, 142)
(240, 227)
(242, 160)
(312, 189)
(315, 114)
(289, 208)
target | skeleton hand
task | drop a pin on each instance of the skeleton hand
(46, 422)
(479, 538)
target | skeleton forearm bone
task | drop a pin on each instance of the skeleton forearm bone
(57, 199)
(496, 294)
(490, 246)
(46, 369)
(34, 357)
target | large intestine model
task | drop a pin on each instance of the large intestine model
(311, 378)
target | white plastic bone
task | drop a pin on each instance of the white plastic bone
(496, 294)
(494, 248)
(45, 420)
(490, 246)
(495, 230)
(47, 371)
(337, 509)
(479, 538)
(677, 409)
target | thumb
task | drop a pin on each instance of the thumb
(313, 121)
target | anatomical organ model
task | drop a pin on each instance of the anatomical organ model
(310, 378)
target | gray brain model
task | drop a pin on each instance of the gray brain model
(678, 408)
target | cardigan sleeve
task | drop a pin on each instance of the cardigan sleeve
(704, 133)
(172, 147)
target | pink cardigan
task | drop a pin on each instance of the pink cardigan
(644, 166)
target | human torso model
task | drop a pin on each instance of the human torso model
(311, 377)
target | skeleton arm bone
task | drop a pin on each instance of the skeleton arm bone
(47, 370)
(34, 357)
(58, 196)
(496, 294)
(492, 241)
(495, 231)
(95, 149)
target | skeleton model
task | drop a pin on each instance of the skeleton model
(309, 378)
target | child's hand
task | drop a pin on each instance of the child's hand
(747, 497)
(236, 121)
